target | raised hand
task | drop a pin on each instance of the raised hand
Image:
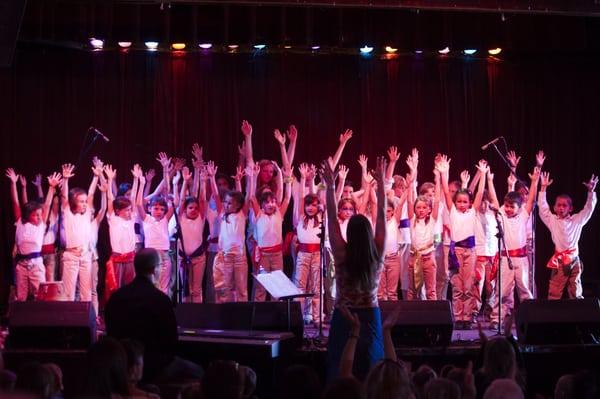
(327, 173)
(67, 170)
(344, 137)
(197, 151)
(109, 172)
(465, 177)
(103, 186)
(304, 170)
(393, 154)
(512, 180)
(540, 157)
(150, 174)
(241, 150)
(482, 167)
(442, 163)
(362, 161)
(546, 180)
(12, 175)
(37, 181)
(288, 173)
(137, 171)
(54, 179)
(292, 133)
(591, 184)
(342, 171)
(164, 160)
(513, 158)
(536, 173)
(351, 318)
(379, 172)
(186, 174)
(97, 162)
(23, 180)
(178, 163)
(312, 171)
(240, 172)
(176, 178)
(279, 137)
(246, 128)
(211, 169)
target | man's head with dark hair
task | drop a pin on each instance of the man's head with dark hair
(145, 262)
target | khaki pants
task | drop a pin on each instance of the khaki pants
(427, 268)
(569, 276)
(163, 272)
(231, 277)
(442, 275)
(483, 271)
(29, 273)
(517, 278)
(195, 275)
(95, 303)
(50, 265)
(388, 281)
(308, 267)
(269, 262)
(77, 267)
(462, 284)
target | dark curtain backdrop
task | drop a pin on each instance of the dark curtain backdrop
(156, 102)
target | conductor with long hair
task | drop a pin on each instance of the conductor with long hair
(358, 263)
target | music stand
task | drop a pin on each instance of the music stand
(280, 287)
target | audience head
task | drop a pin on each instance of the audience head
(107, 368)
(145, 262)
(344, 388)
(300, 382)
(361, 254)
(564, 388)
(585, 385)
(442, 388)
(421, 377)
(388, 379)
(223, 380)
(504, 388)
(135, 360)
(57, 378)
(35, 379)
(499, 360)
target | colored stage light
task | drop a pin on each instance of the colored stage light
(470, 51)
(418, 52)
(366, 50)
(260, 46)
(97, 44)
(444, 51)
(390, 49)
(233, 47)
(205, 46)
(151, 46)
(495, 51)
(314, 48)
(124, 44)
(178, 46)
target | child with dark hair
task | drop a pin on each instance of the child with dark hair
(565, 229)
(135, 368)
(36, 380)
(30, 229)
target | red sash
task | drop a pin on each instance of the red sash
(561, 258)
(310, 248)
(111, 278)
(513, 253)
(48, 249)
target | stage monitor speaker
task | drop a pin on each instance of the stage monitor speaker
(420, 323)
(51, 325)
(11, 15)
(268, 316)
(565, 321)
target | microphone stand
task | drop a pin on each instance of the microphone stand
(501, 243)
(322, 270)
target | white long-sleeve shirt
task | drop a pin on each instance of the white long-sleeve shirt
(567, 231)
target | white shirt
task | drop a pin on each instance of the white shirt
(404, 232)
(486, 243)
(50, 234)
(308, 234)
(94, 239)
(391, 236)
(462, 224)
(268, 229)
(566, 232)
(421, 234)
(232, 232)
(29, 237)
(122, 234)
(515, 229)
(156, 233)
(191, 231)
(77, 229)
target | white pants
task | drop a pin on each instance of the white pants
(195, 276)
(517, 277)
(77, 266)
(29, 273)
(163, 272)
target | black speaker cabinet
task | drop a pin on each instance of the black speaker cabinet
(555, 322)
(420, 323)
(51, 325)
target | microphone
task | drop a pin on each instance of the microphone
(485, 146)
(99, 133)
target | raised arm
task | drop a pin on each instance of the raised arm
(202, 191)
(237, 178)
(465, 176)
(535, 177)
(67, 173)
(590, 203)
(103, 187)
(175, 182)
(247, 132)
(482, 169)
(292, 135)
(279, 177)
(150, 173)
(211, 171)
(513, 160)
(362, 161)
(53, 181)
(96, 171)
(339, 190)
(165, 162)
(344, 137)
(492, 189)
(473, 184)
(338, 245)
(110, 177)
(437, 195)
(443, 165)
(380, 228)
(14, 196)
(303, 169)
(251, 194)
(543, 207)
(37, 182)
(280, 138)
(23, 181)
(186, 177)
(287, 179)
(393, 156)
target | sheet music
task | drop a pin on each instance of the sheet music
(277, 284)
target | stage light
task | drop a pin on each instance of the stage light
(124, 44)
(206, 46)
(444, 51)
(178, 46)
(418, 52)
(390, 49)
(260, 46)
(151, 46)
(233, 47)
(287, 47)
(97, 44)
(366, 50)
(495, 51)
(314, 48)
(470, 51)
